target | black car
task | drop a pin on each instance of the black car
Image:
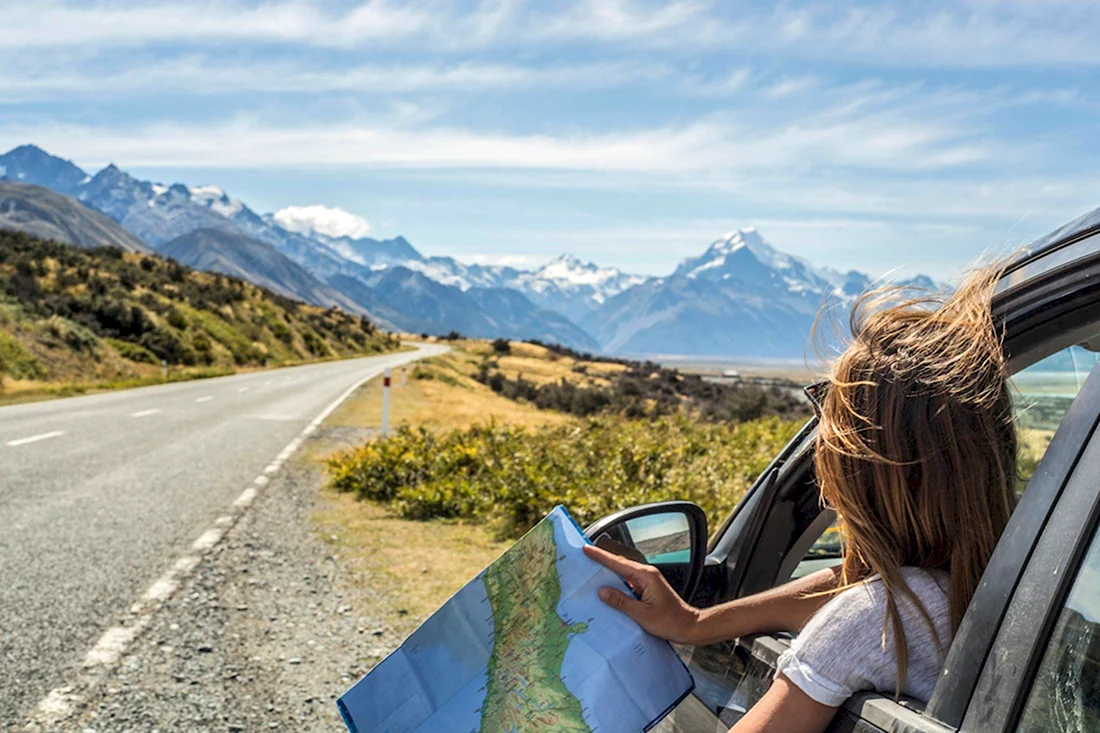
(1027, 655)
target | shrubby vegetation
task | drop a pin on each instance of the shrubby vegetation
(65, 312)
(511, 476)
(644, 389)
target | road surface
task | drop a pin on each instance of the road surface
(99, 495)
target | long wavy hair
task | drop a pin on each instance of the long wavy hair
(916, 446)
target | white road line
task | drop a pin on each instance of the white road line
(207, 398)
(64, 702)
(145, 413)
(243, 389)
(36, 438)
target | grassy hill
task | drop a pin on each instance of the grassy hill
(89, 316)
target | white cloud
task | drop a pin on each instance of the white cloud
(49, 77)
(989, 34)
(51, 23)
(330, 221)
(887, 139)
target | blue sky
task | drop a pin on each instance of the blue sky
(878, 136)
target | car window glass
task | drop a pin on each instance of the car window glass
(1065, 694)
(1041, 395)
(825, 552)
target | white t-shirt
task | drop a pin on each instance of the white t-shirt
(841, 650)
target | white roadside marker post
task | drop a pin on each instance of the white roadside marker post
(403, 380)
(164, 368)
(385, 402)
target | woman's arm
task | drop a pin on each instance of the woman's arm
(785, 709)
(662, 612)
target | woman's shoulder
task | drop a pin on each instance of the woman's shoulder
(859, 610)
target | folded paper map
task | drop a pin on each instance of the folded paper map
(524, 647)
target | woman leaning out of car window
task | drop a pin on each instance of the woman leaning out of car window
(916, 453)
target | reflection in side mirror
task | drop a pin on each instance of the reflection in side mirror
(669, 535)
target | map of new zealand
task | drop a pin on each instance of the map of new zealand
(525, 647)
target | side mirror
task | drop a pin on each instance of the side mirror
(669, 535)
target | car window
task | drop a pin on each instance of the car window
(1041, 396)
(1065, 694)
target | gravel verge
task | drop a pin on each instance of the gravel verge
(269, 630)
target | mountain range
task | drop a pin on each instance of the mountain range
(740, 297)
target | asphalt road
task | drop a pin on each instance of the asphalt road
(100, 494)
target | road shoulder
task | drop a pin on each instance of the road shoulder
(269, 630)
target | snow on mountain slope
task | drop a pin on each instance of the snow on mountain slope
(739, 297)
(216, 200)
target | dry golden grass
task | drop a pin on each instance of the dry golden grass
(414, 566)
(446, 397)
(540, 365)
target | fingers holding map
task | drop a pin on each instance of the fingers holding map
(526, 646)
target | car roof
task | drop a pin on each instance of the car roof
(1067, 247)
(1071, 230)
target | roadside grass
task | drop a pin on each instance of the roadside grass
(18, 391)
(439, 394)
(413, 566)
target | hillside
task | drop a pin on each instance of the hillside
(69, 314)
(216, 250)
(43, 213)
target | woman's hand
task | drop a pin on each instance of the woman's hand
(659, 610)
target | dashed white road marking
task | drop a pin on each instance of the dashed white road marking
(145, 413)
(36, 438)
(64, 702)
(242, 389)
(207, 398)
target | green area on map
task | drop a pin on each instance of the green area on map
(525, 691)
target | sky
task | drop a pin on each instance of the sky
(886, 137)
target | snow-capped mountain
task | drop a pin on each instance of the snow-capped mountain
(573, 287)
(744, 256)
(206, 227)
(740, 297)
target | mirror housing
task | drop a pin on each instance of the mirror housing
(669, 535)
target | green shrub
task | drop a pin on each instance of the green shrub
(73, 335)
(16, 361)
(177, 319)
(513, 476)
(133, 352)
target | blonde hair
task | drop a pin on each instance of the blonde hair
(916, 447)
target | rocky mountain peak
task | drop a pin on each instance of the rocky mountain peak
(32, 164)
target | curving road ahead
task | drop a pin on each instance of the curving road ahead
(100, 494)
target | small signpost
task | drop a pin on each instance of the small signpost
(385, 402)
